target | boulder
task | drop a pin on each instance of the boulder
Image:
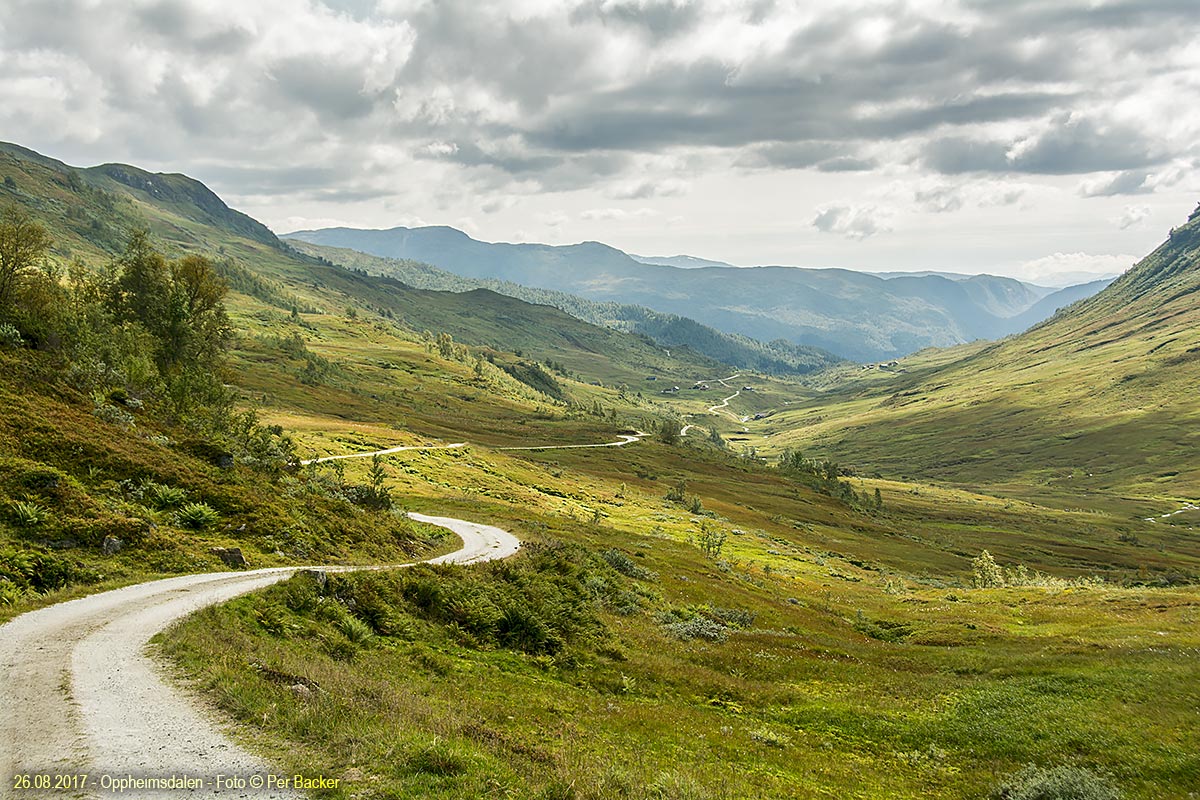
(111, 545)
(231, 556)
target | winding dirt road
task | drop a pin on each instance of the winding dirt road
(79, 695)
(625, 438)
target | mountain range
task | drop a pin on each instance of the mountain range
(858, 316)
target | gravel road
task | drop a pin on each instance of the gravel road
(79, 695)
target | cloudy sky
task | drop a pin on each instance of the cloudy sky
(1021, 137)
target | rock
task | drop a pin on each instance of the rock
(320, 576)
(111, 545)
(231, 556)
(224, 461)
(301, 691)
(63, 544)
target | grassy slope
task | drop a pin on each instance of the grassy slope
(85, 474)
(1096, 407)
(808, 702)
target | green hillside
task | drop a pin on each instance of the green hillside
(1096, 406)
(90, 214)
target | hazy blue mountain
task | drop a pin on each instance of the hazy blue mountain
(683, 262)
(1045, 308)
(853, 314)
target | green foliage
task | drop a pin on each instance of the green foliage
(535, 377)
(37, 571)
(697, 627)
(538, 603)
(711, 539)
(23, 246)
(27, 514)
(10, 336)
(669, 431)
(625, 565)
(160, 496)
(985, 572)
(1056, 783)
(822, 476)
(197, 516)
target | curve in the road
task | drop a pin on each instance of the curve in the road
(81, 696)
(625, 438)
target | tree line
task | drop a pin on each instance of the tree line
(141, 327)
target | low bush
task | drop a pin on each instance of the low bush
(160, 497)
(196, 516)
(28, 515)
(625, 565)
(697, 628)
(38, 571)
(1056, 783)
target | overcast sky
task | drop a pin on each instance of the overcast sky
(1020, 137)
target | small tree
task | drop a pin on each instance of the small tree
(445, 345)
(380, 494)
(23, 246)
(669, 431)
(987, 573)
(711, 540)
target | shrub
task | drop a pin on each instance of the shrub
(10, 593)
(733, 617)
(10, 336)
(986, 573)
(196, 516)
(1056, 783)
(356, 630)
(625, 565)
(698, 628)
(107, 412)
(28, 515)
(159, 496)
(30, 570)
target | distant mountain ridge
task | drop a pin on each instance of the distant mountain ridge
(855, 315)
(668, 330)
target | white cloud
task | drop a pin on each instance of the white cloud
(1132, 216)
(851, 221)
(1061, 269)
(617, 213)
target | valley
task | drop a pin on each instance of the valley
(762, 583)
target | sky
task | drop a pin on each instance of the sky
(1039, 139)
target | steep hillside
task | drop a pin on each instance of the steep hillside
(855, 315)
(1100, 398)
(90, 214)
